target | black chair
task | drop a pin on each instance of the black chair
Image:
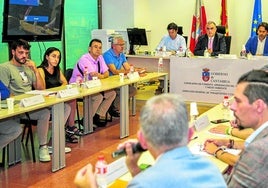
(28, 123)
(68, 75)
(228, 43)
(222, 29)
(3, 163)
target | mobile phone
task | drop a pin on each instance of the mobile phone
(217, 121)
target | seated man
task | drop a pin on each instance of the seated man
(96, 67)
(164, 132)
(212, 41)
(173, 41)
(20, 75)
(9, 128)
(117, 63)
(257, 45)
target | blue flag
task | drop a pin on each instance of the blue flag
(256, 18)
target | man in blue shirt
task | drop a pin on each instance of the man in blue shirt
(117, 63)
(173, 41)
(164, 132)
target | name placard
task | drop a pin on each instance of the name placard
(116, 169)
(68, 92)
(201, 123)
(30, 101)
(93, 83)
(133, 76)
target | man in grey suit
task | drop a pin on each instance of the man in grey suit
(251, 109)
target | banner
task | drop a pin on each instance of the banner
(257, 17)
(224, 18)
(198, 23)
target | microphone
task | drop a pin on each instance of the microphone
(136, 148)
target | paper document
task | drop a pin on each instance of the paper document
(197, 149)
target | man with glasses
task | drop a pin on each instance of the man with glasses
(212, 41)
(117, 63)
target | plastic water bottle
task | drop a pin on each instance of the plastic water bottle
(160, 65)
(101, 172)
(206, 54)
(180, 53)
(226, 107)
(78, 80)
(243, 52)
(85, 74)
(132, 70)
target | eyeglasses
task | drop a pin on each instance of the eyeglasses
(120, 44)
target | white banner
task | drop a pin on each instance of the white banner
(208, 79)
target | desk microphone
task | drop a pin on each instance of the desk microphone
(136, 148)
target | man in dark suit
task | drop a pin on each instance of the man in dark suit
(212, 41)
(250, 107)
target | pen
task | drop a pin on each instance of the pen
(194, 138)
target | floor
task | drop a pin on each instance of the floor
(103, 140)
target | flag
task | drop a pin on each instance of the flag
(224, 18)
(256, 18)
(198, 23)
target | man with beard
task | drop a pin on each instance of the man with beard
(20, 75)
(257, 45)
(250, 108)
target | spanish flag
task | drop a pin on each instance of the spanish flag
(224, 18)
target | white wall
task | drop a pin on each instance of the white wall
(155, 15)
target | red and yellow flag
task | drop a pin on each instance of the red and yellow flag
(224, 17)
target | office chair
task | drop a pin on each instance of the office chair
(28, 122)
(68, 75)
(180, 32)
(221, 29)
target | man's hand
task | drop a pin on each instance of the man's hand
(29, 63)
(131, 158)
(85, 178)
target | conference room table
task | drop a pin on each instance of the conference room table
(57, 110)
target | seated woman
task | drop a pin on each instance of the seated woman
(53, 77)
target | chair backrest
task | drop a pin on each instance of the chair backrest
(228, 43)
(68, 74)
(221, 29)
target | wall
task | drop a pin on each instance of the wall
(80, 18)
(154, 15)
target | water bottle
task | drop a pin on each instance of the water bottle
(206, 53)
(243, 52)
(132, 70)
(180, 53)
(225, 107)
(85, 74)
(101, 172)
(78, 80)
(160, 65)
